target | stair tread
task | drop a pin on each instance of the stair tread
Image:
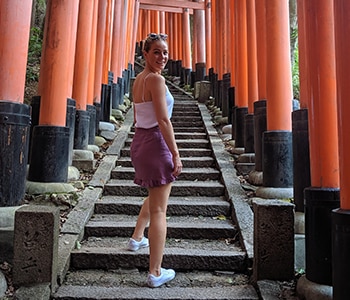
(172, 200)
(172, 221)
(184, 247)
(131, 284)
(184, 170)
(196, 206)
(208, 183)
(190, 158)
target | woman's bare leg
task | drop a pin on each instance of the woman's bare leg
(158, 201)
(142, 221)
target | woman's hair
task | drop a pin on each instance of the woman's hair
(153, 37)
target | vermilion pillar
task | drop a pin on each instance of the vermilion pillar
(300, 126)
(134, 32)
(186, 40)
(259, 119)
(14, 48)
(15, 116)
(253, 94)
(341, 217)
(241, 52)
(208, 35)
(232, 43)
(81, 73)
(241, 90)
(323, 195)
(186, 62)
(94, 112)
(213, 36)
(116, 51)
(260, 9)
(162, 22)
(277, 140)
(174, 37)
(50, 140)
(279, 84)
(100, 37)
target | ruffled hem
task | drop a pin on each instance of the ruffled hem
(153, 183)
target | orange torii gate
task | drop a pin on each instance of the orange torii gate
(254, 51)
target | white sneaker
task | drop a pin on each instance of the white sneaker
(135, 245)
(165, 276)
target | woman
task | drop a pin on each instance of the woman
(154, 155)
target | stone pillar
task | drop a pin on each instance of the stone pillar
(273, 240)
(36, 245)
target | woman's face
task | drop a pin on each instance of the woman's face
(157, 56)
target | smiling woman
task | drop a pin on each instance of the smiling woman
(154, 155)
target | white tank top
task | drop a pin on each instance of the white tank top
(144, 111)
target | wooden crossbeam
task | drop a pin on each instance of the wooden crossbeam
(175, 6)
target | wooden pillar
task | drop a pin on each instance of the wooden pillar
(323, 195)
(92, 62)
(129, 37)
(217, 42)
(302, 51)
(14, 48)
(232, 44)
(279, 85)
(107, 43)
(174, 37)
(101, 25)
(213, 36)
(170, 35)
(162, 22)
(208, 36)
(241, 52)
(323, 135)
(134, 35)
(179, 32)
(15, 115)
(253, 94)
(82, 53)
(50, 139)
(342, 30)
(116, 51)
(260, 8)
(341, 217)
(224, 22)
(186, 63)
(199, 23)
(55, 67)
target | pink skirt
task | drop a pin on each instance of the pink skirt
(151, 158)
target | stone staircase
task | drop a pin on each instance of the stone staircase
(203, 243)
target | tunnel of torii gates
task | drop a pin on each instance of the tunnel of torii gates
(242, 47)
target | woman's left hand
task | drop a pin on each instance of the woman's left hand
(177, 166)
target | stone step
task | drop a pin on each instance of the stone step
(177, 206)
(179, 188)
(130, 284)
(178, 227)
(189, 123)
(183, 135)
(179, 117)
(179, 128)
(108, 253)
(187, 162)
(202, 174)
(187, 152)
(183, 143)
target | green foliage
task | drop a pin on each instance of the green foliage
(295, 63)
(295, 75)
(34, 54)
